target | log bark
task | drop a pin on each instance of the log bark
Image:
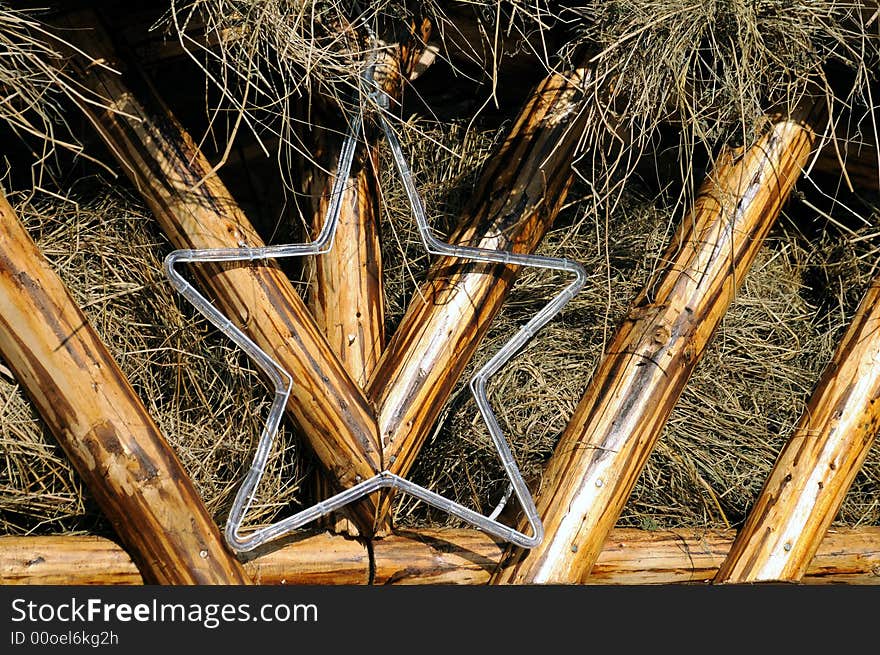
(417, 557)
(819, 462)
(615, 426)
(99, 421)
(196, 211)
(519, 195)
(452, 557)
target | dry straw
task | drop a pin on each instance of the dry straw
(35, 91)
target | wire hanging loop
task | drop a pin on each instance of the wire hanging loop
(283, 383)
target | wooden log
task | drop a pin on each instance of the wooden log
(195, 211)
(819, 462)
(452, 557)
(65, 560)
(346, 294)
(632, 556)
(318, 559)
(615, 426)
(415, 557)
(345, 291)
(89, 560)
(91, 409)
(519, 195)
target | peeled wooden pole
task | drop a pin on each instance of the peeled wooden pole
(631, 556)
(91, 560)
(615, 426)
(519, 195)
(345, 291)
(816, 468)
(345, 294)
(99, 421)
(195, 210)
(452, 557)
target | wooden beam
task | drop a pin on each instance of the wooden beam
(196, 211)
(89, 406)
(519, 195)
(435, 556)
(615, 426)
(91, 560)
(346, 296)
(345, 292)
(632, 556)
(818, 464)
(458, 557)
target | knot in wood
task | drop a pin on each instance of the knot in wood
(661, 335)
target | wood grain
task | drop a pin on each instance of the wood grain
(345, 292)
(818, 464)
(650, 358)
(109, 437)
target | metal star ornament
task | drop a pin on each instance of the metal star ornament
(282, 382)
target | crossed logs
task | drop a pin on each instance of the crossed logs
(365, 402)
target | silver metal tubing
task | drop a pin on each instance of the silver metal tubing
(283, 383)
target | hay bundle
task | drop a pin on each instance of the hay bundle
(705, 72)
(36, 92)
(716, 68)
